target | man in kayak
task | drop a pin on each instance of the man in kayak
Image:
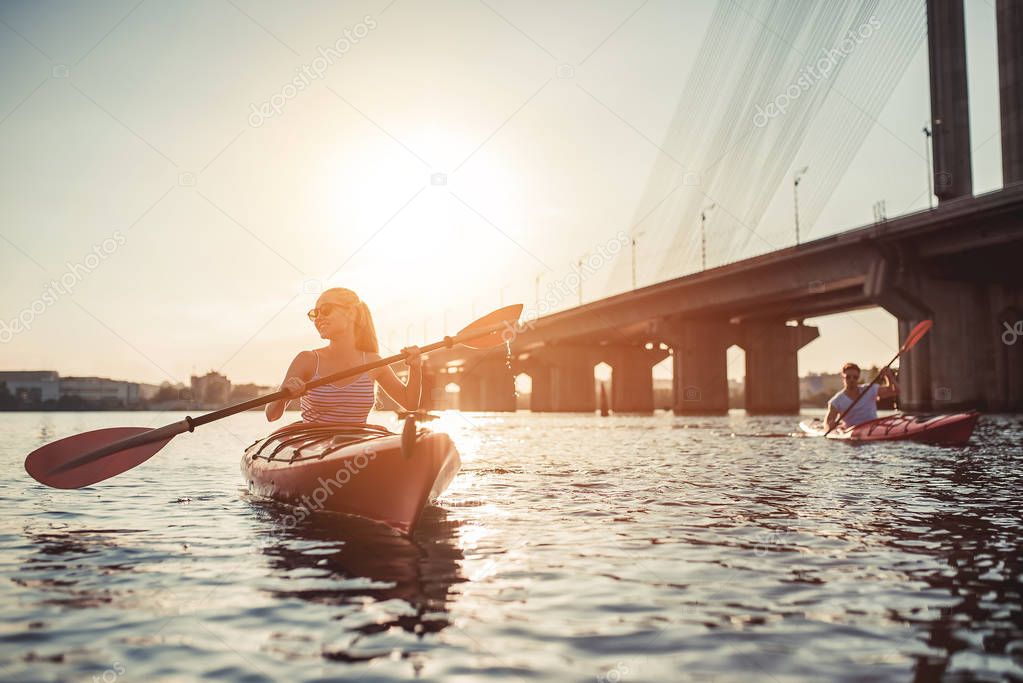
(866, 408)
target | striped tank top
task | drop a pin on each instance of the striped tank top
(328, 403)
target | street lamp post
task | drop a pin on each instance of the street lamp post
(703, 234)
(579, 268)
(930, 172)
(634, 242)
(795, 194)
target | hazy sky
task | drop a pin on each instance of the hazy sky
(438, 161)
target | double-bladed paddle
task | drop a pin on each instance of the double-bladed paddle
(90, 457)
(915, 335)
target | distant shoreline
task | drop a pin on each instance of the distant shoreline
(124, 409)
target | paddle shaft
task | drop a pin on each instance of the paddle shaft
(447, 342)
(500, 320)
(190, 423)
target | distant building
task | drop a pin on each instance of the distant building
(100, 390)
(247, 392)
(32, 386)
(47, 390)
(664, 393)
(147, 392)
(810, 386)
(35, 388)
(816, 389)
(171, 397)
(736, 393)
(211, 389)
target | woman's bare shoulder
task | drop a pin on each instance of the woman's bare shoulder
(304, 364)
(372, 357)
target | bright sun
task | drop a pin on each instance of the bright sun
(451, 239)
(452, 246)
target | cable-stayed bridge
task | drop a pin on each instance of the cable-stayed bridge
(775, 86)
(762, 95)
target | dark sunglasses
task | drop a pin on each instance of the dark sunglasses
(323, 309)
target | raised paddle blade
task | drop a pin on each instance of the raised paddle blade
(509, 316)
(45, 463)
(916, 334)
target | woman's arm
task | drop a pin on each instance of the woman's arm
(299, 372)
(406, 393)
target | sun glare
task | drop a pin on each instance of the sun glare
(451, 245)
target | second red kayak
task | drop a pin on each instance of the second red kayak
(951, 430)
(357, 470)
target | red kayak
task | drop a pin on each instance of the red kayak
(357, 470)
(949, 430)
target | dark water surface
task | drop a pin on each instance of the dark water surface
(570, 548)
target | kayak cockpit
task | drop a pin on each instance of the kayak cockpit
(306, 440)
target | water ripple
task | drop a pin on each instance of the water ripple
(569, 548)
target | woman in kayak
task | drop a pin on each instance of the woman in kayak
(345, 322)
(866, 408)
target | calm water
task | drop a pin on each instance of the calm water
(570, 548)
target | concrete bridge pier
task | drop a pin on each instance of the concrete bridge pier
(1006, 391)
(972, 357)
(540, 400)
(965, 361)
(563, 378)
(486, 385)
(950, 112)
(772, 372)
(429, 398)
(632, 381)
(700, 364)
(1010, 81)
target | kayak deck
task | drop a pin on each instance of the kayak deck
(954, 429)
(351, 469)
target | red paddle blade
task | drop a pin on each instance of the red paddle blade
(916, 334)
(44, 462)
(509, 316)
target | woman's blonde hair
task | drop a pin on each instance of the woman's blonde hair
(365, 331)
